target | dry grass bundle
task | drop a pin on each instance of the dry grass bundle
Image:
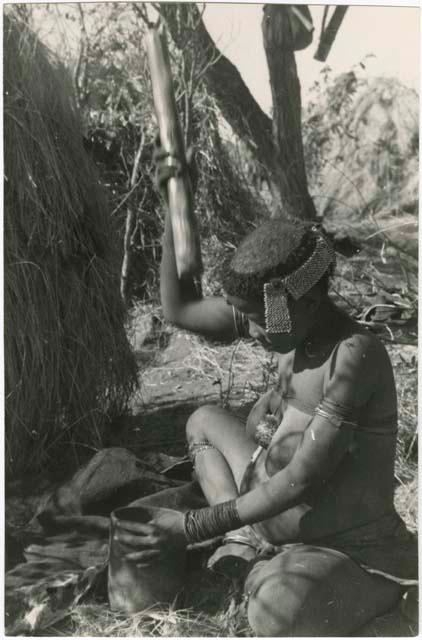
(67, 361)
(98, 621)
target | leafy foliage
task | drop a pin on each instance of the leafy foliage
(361, 144)
(112, 84)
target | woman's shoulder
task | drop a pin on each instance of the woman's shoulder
(363, 364)
(358, 343)
(362, 358)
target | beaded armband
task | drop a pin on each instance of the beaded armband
(198, 447)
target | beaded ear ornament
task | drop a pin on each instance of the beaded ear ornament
(277, 316)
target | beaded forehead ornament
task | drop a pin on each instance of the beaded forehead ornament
(277, 316)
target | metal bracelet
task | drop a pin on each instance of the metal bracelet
(207, 523)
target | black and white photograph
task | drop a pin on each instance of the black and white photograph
(210, 319)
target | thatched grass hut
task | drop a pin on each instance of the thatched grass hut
(68, 365)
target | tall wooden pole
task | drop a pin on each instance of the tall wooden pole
(185, 235)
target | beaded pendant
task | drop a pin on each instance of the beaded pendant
(265, 431)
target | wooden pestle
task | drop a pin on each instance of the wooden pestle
(185, 236)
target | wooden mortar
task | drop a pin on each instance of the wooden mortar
(133, 588)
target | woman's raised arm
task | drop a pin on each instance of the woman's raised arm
(182, 302)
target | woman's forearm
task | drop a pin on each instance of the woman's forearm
(319, 453)
(174, 292)
(281, 492)
(266, 501)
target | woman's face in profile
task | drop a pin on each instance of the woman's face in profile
(280, 342)
(301, 317)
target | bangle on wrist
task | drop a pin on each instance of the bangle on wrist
(203, 524)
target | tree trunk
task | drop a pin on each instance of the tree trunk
(223, 80)
(276, 144)
(287, 111)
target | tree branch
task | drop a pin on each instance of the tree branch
(129, 226)
(223, 80)
(275, 144)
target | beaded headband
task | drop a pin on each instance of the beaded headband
(277, 316)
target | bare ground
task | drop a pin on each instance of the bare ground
(184, 374)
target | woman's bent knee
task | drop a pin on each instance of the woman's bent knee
(201, 421)
(266, 617)
(271, 612)
(314, 592)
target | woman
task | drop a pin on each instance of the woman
(313, 472)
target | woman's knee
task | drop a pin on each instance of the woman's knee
(314, 592)
(272, 610)
(201, 422)
(267, 619)
(289, 595)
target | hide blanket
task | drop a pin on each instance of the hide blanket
(69, 554)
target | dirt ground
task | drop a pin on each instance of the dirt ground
(182, 374)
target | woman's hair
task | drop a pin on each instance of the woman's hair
(275, 249)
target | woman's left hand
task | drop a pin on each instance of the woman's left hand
(163, 534)
(271, 403)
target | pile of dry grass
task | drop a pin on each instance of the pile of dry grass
(96, 620)
(67, 361)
